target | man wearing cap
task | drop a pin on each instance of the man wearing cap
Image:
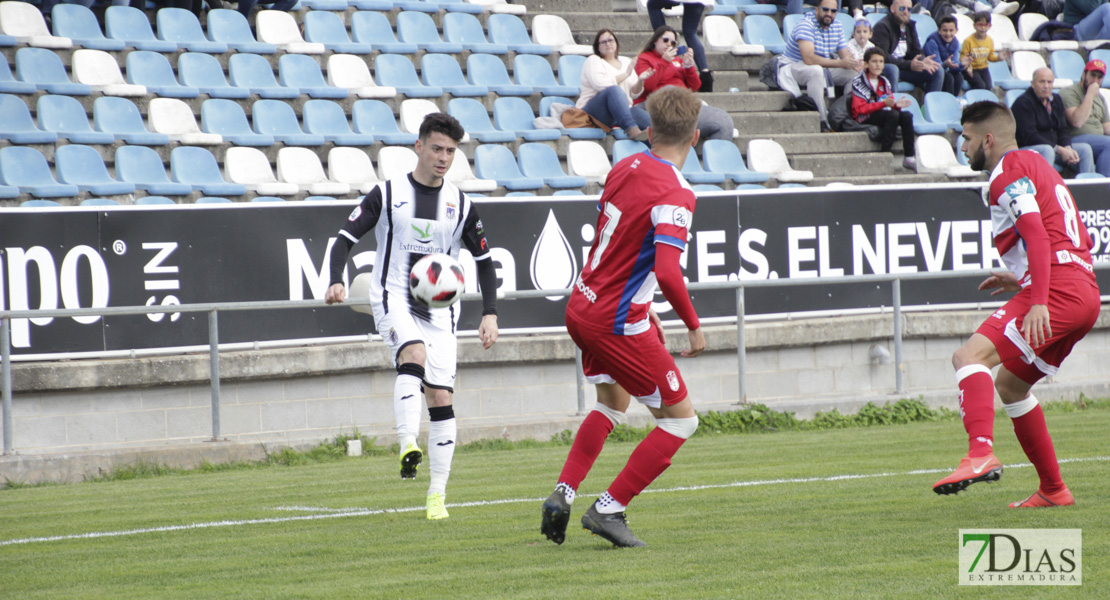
(1087, 116)
(1042, 126)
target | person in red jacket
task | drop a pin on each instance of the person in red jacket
(873, 103)
(659, 66)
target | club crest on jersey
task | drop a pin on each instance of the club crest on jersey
(356, 213)
(672, 381)
(1021, 187)
(451, 210)
(392, 336)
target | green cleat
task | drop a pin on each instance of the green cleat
(436, 509)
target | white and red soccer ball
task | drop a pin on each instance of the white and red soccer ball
(437, 281)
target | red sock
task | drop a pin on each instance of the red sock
(1032, 432)
(587, 445)
(647, 462)
(977, 408)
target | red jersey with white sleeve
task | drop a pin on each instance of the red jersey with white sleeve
(646, 210)
(1035, 224)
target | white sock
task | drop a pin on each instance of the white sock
(407, 400)
(441, 449)
(608, 505)
(568, 492)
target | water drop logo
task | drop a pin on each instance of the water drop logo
(553, 266)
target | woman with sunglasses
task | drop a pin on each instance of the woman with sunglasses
(609, 82)
(691, 18)
(659, 66)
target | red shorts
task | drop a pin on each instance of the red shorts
(1073, 306)
(639, 363)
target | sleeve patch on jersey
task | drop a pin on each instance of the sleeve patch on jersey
(356, 213)
(679, 216)
(1021, 187)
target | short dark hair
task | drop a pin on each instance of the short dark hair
(442, 123)
(993, 115)
(650, 45)
(981, 16)
(948, 19)
(872, 51)
(597, 43)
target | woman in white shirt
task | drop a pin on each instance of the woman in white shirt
(609, 82)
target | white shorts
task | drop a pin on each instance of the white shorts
(399, 329)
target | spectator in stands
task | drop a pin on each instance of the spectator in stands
(944, 45)
(609, 82)
(691, 19)
(659, 66)
(245, 6)
(896, 35)
(795, 7)
(979, 47)
(1042, 126)
(873, 103)
(861, 40)
(817, 57)
(1087, 116)
(1091, 19)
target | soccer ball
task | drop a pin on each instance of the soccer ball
(437, 281)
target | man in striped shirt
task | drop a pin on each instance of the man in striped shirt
(817, 55)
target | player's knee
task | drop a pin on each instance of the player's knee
(414, 369)
(615, 416)
(413, 353)
(680, 428)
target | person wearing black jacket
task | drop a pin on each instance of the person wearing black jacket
(896, 35)
(1043, 127)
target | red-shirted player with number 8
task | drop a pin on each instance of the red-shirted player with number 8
(1046, 248)
(641, 232)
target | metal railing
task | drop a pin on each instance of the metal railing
(213, 310)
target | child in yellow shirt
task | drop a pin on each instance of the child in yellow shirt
(978, 51)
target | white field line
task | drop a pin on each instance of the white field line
(334, 513)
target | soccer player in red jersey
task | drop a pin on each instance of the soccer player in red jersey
(641, 232)
(1046, 248)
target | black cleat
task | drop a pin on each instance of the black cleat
(556, 514)
(612, 527)
(410, 461)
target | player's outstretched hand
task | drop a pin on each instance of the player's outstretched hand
(657, 323)
(487, 331)
(1000, 281)
(697, 343)
(335, 293)
(1036, 327)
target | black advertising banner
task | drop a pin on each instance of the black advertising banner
(201, 254)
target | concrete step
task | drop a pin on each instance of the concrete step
(584, 21)
(814, 143)
(743, 102)
(844, 164)
(906, 177)
(770, 124)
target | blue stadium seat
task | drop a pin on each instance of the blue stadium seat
(789, 22)
(268, 198)
(378, 5)
(1000, 74)
(154, 200)
(921, 125)
(622, 149)
(514, 114)
(213, 200)
(227, 119)
(328, 29)
(488, 70)
(322, 117)
(271, 117)
(762, 30)
(369, 27)
(417, 6)
(751, 186)
(8, 192)
(99, 202)
(942, 107)
(39, 204)
(694, 173)
(547, 101)
(376, 118)
(960, 156)
(26, 169)
(181, 27)
(752, 7)
(253, 72)
(152, 70)
(722, 156)
(459, 6)
(82, 166)
(510, 30)
(1103, 55)
(1067, 64)
(418, 28)
(520, 195)
(925, 27)
(472, 115)
(443, 71)
(577, 133)
(973, 96)
(1012, 95)
(462, 28)
(707, 187)
(495, 162)
(197, 167)
(44, 68)
(540, 160)
(231, 27)
(570, 70)
(142, 167)
(8, 84)
(848, 24)
(874, 18)
(18, 126)
(203, 71)
(79, 24)
(132, 27)
(65, 116)
(120, 117)
(302, 72)
(396, 71)
(535, 71)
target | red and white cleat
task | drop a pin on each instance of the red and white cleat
(971, 470)
(1041, 499)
